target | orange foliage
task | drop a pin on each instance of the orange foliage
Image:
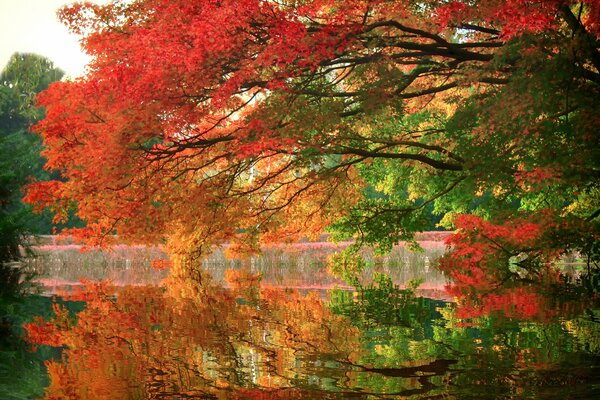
(206, 123)
(161, 264)
(124, 343)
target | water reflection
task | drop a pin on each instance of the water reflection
(193, 338)
(300, 265)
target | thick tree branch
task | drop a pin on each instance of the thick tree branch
(588, 41)
(437, 164)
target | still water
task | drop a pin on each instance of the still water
(225, 333)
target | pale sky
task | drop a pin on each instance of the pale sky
(31, 26)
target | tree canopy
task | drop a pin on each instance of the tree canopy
(254, 120)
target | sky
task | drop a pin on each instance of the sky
(31, 26)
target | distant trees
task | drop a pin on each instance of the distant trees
(21, 80)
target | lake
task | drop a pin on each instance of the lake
(279, 327)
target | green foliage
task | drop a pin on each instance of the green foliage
(347, 265)
(382, 303)
(29, 74)
(404, 330)
(525, 145)
(22, 371)
(21, 80)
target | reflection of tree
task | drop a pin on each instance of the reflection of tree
(193, 338)
(382, 303)
(510, 267)
(499, 356)
(529, 359)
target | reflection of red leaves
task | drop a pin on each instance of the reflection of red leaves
(503, 268)
(43, 332)
(92, 292)
(272, 394)
(161, 264)
(50, 332)
(519, 303)
(119, 343)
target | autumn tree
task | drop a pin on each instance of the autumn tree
(254, 120)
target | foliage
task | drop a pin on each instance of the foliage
(11, 224)
(134, 344)
(347, 265)
(492, 348)
(23, 77)
(256, 121)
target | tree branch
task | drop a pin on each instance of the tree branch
(437, 164)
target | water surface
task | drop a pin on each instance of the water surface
(232, 337)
